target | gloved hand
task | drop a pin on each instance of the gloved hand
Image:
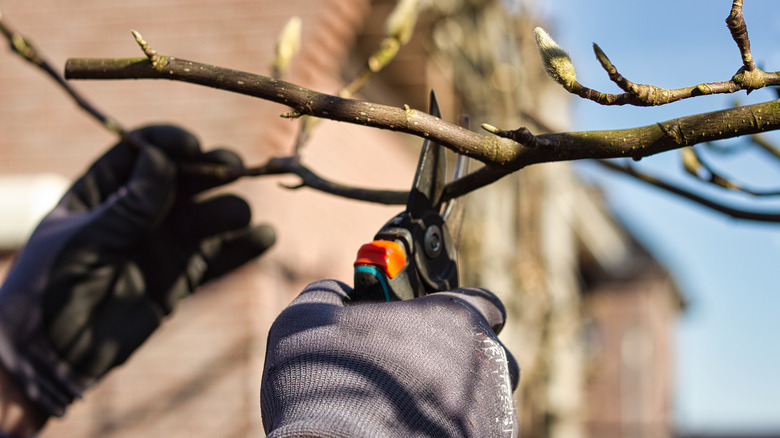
(427, 367)
(125, 243)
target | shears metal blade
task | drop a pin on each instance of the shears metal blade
(413, 254)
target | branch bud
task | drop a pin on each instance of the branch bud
(400, 24)
(556, 61)
(491, 129)
(288, 44)
(690, 161)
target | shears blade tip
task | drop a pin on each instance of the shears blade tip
(430, 177)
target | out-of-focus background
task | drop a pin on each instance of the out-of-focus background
(595, 302)
(726, 378)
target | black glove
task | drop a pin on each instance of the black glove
(427, 367)
(125, 243)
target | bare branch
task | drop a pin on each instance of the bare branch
(27, 50)
(399, 28)
(691, 196)
(302, 101)
(701, 169)
(748, 77)
(473, 181)
(650, 95)
(738, 29)
(275, 166)
(765, 145)
(504, 153)
(292, 165)
(494, 151)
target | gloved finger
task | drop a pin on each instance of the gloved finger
(177, 143)
(192, 183)
(138, 206)
(331, 292)
(320, 305)
(482, 301)
(225, 252)
(104, 177)
(112, 170)
(184, 148)
(198, 220)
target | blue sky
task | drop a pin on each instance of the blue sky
(728, 351)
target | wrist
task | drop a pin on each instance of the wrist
(19, 416)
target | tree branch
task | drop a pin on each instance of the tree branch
(702, 170)
(503, 153)
(491, 150)
(27, 51)
(292, 165)
(765, 146)
(275, 166)
(303, 101)
(691, 196)
(738, 28)
(748, 77)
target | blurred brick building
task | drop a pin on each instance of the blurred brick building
(199, 375)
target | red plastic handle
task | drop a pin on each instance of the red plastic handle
(385, 254)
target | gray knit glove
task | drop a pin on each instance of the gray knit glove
(125, 243)
(427, 367)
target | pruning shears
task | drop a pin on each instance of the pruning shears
(414, 253)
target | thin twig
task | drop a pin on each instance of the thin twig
(292, 165)
(738, 29)
(29, 52)
(399, 28)
(23, 47)
(765, 145)
(649, 95)
(687, 194)
(712, 176)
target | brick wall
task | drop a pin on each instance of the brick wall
(630, 350)
(199, 375)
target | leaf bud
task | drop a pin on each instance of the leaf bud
(400, 24)
(556, 61)
(690, 161)
(288, 44)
